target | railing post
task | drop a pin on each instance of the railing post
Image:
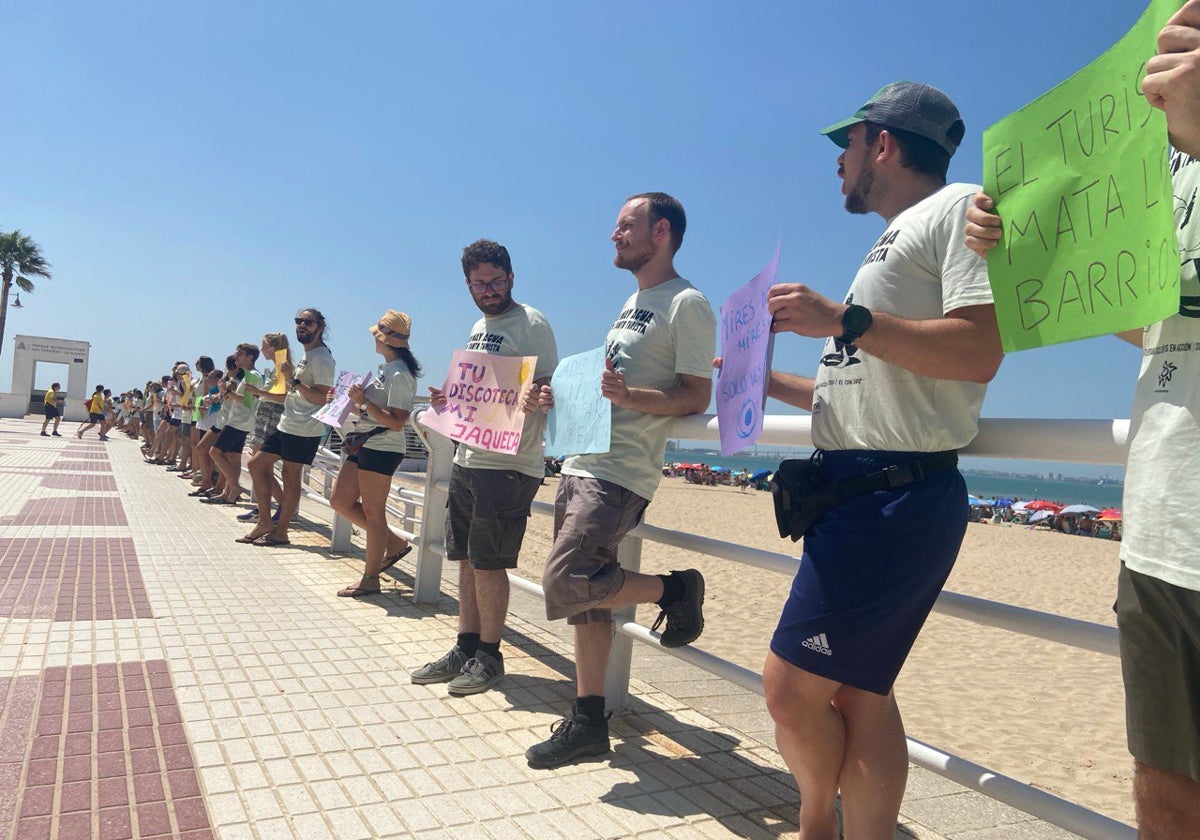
(620, 660)
(431, 545)
(340, 540)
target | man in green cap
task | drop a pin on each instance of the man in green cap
(897, 393)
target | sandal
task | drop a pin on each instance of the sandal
(270, 541)
(358, 591)
(199, 493)
(388, 562)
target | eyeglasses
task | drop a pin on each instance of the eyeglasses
(491, 286)
(308, 322)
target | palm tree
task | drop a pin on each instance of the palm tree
(20, 259)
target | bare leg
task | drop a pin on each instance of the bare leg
(1167, 804)
(292, 474)
(468, 599)
(875, 766)
(593, 643)
(811, 736)
(347, 500)
(262, 473)
(637, 588)
(491, 603)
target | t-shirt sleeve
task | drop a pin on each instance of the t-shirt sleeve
(323, 372)
(695, 329)
(964, 273)
(545, 347)
(401, 390)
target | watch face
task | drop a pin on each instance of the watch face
(857, 319)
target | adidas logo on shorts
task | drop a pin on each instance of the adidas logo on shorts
(818, 643)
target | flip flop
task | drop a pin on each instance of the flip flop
(388, 562)
(246, 540)
(216, 500)
(199, 493)
(270, 541)
(358, 592)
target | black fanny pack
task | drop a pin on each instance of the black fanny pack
(802, 496)
(354, 441)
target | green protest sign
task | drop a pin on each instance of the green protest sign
(1080, 178)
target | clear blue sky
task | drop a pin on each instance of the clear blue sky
(197, 172)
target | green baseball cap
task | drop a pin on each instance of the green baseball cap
(909, 106)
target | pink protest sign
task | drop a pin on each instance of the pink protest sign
(483, 400)
(746, 344)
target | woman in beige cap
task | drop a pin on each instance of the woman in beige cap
(376, 448)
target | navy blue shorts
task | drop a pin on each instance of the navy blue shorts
(871, 569)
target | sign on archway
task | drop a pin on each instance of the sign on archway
(28, 350)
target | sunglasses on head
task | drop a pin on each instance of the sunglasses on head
(307, 322)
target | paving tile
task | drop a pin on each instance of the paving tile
(272, 709)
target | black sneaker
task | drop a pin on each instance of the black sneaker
(685, 618)
(571, 738)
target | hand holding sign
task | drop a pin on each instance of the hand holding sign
(580, 419)
(745, 362)
(1080, 178)
(481, 400)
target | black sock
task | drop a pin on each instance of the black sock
(672, 590)
(492, 648)
(468, 643)
(591, 707)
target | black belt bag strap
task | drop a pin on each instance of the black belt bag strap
(802, 496)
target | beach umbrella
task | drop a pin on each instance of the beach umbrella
(1019, 507)
(720, 469)
(976, 502)
(1042, 504)
(1078, 509)
(1004, 503)
(760, 475)
(1110, 515)
(1038, 516)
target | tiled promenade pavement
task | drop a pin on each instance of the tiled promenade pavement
(159, 680)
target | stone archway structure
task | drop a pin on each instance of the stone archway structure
(28, 350)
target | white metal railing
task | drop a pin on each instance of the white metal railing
(1080, 441)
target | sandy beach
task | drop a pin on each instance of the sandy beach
(1043, 713)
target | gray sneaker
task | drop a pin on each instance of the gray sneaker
(441, 670)
(479, 674)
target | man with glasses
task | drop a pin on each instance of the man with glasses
(491, 493)
(298, 435)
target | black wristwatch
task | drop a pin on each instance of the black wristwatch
(856, 320)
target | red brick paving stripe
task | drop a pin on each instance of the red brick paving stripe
(71, 579)
(81, 483)
(77, 510)
(82, 466)
(67, 784)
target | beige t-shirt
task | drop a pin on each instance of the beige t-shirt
(392, 387)
(316, 370)
(1162, 476)
(661, 333)
(918, 269)
(521, 331)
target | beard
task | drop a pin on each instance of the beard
(857, 199)
(498, 307)
(632, 260)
